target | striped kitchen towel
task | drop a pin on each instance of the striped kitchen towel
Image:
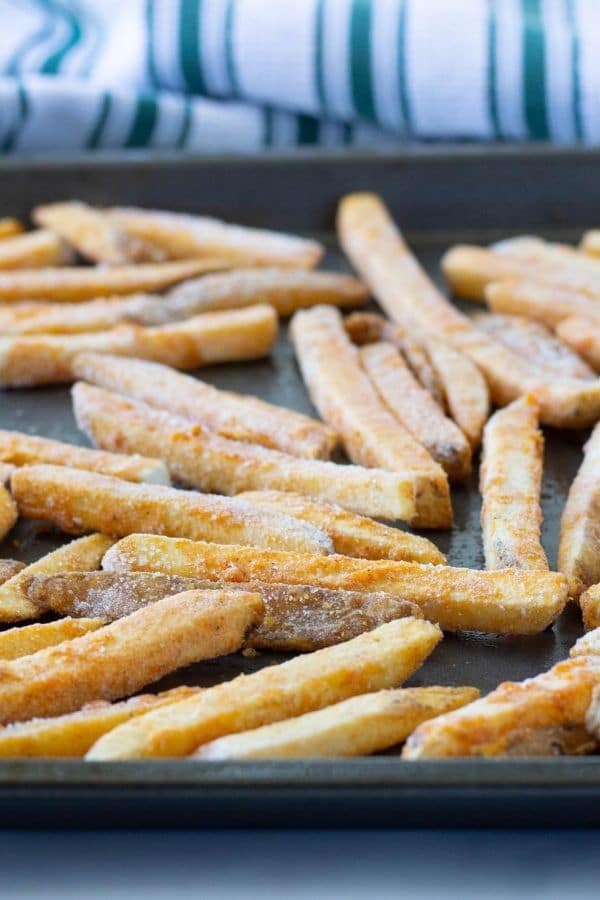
(241, 75)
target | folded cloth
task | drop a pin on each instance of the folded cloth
(239, 75)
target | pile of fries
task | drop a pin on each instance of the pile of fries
(206, 523)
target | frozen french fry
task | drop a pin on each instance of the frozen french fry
(355, 727)
(34, 250)
(506, 601)
(590, 242)
(27, 639)
(379, 659)
(589, 602)
(348, 402)
(184, 236)
(120, 658)
(6, 470)
(235, 416)
(538, 300)
(212, 463)
(8, 568)
(583, 336)
(8, 512)
(203, 340)
(79, 502)
(592, 719)
(10, 227)
(43, 317)
(85, 553)
(588, 645)
(510, 484)
(18, 449)
(580, 523)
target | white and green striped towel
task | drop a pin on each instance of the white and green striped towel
(240, 75)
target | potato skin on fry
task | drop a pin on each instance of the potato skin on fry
(8, 568)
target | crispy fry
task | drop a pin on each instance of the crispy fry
(509, 602)
(352, 535)
(94, 235)
(86, 553)
(9, 568)
(183, 236)
(578, 556)
(588, 645)
(590, 242)
(589, 602)
(508, 718)
(8, 512)
(510, 483)
(70, 285)
(215, 464)
(234, 416)
(592, 719)
(536, 343)
(355, 727)
(23, 641)
(73, 734)
(123, 657)
(538, 300)
(79, 502)
(210, 338)
(347, 400)
(34, 250)
(583, 335)
(10, 227)
(369, 328)
(18, 449)
(416, 410)
(381, 658)
(465, 388)
(297, 617)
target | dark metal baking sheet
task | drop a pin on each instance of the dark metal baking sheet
(439, 196)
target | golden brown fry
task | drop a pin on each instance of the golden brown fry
(592, 719)
(8, 568)
(297, 617)
(183, 236)
(590, 242)
(8, 512)
(210, 338)
(284, 288)
(34, 250)
(536, 343)
(416, 410)
(583, 335)
(10, 227)
(508, 602)
(352, 535)
(510, 482)
(72, 734)
(18, 449)
(381, 658)
(93, 234)
(235, 416)
(355, 727)
(23, 641)
(578, 556)
(538, 300)
(588, 645)
(589, 602)
(207, 461)
(70, 285)
(119, 659)
(512, 715)
(6, 471)
(368, 328)
(85, 553)
(79, 502)
(347, 400)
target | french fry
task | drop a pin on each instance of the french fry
(235, 416)
(10, 227)
(536, 343)
(71, 285)
(592, 719)
(510, 482)
(34, 250)
(8, 512)
(506, 602)
(590, 242)
(379, 659)
(40, 317)
(85, 553)
(79, 502)
(93, 234)
(539, 711)
(583, 335)
(538, 300)
(18, 449)
(211, 463)
(9, 568)
(355, 727)
(119, 659)
(6, 471)
(532, 248)
(297, 617)
(203, 340)
(416, 410)
(72, 734)
(348, 402)
(184, 236)
(588, 645)
(580, 523)
(23, 641)
(352, 535)
(370, 328)
(589, 602)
